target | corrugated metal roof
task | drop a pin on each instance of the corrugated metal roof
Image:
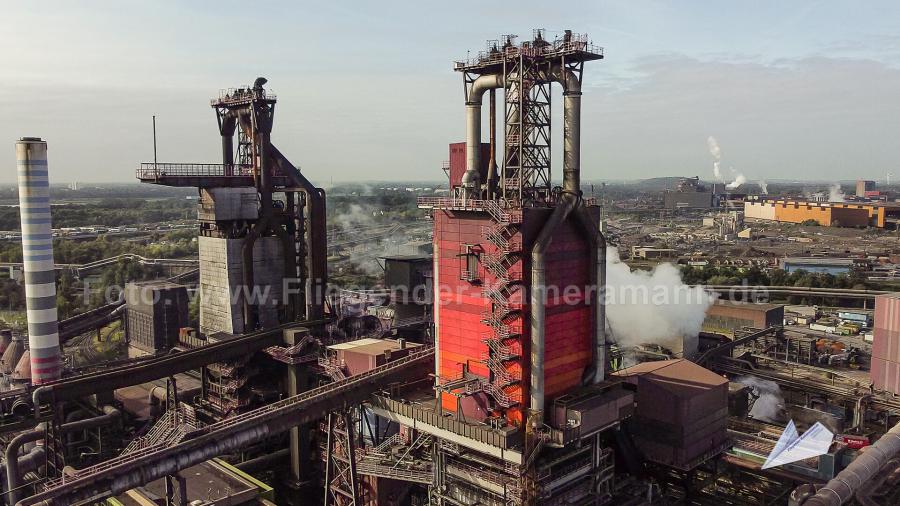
(681, 377)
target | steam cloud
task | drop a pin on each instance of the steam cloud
(652, 306)
(769, 407)
(835, 193)
(716, 153)
(738, 180)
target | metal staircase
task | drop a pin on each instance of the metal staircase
(503, 317)
(168, 430)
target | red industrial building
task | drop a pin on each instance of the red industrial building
(483, 317)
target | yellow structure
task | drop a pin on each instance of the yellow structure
(829, 214)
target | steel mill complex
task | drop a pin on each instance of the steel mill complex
(487, 368)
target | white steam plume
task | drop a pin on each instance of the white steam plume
(769, 406)
(739, 179)
(763, 186)
(835, 193)
(716, 153)
(652, 306)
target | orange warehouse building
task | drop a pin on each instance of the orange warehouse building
(829, 214)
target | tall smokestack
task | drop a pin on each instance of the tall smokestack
(37, 253)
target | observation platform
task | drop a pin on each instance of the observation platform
(201, 175)
(574, 48)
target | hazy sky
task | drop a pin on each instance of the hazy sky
(805, 90)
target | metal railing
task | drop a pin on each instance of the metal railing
(576, 43)
(152, 170)
(233, 96)
(372, 467)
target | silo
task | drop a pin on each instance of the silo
(37, 249)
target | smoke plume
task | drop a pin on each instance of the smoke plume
(769, 406)
(763, 186)
(652, 306)
(738, 180)
(716, 153)
(835, 193)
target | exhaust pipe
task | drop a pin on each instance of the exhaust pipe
(37, 255)
(471, 180)
(569, 202)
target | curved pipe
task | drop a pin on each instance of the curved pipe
(13, 474)
(858, 473)
(471, 180)
(596, 371)
(566, 205)
(569, 202)
(13, 461)
(571, 127)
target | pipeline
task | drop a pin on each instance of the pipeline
(569, 202)
(596, 371)
(492, 157)
(12, 469)
(316, 235)
(471, 180)
(124, 473)
(263, 461)
(161, 366)
(859, 472)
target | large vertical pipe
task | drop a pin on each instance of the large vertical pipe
(538, 303)
(492, 161)
(471, 180)
(571, 127)
(568, 203)
(37, 254)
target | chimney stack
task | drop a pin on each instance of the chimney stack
(37, 254)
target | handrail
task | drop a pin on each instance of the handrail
(152, 170)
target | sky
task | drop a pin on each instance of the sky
(794, 90)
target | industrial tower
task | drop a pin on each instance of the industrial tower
(506, 245)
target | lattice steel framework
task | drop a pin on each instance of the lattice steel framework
(526, 161)
(341, 483)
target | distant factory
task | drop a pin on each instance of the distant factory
(828, 214)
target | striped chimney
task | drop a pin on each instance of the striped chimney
(37, 252)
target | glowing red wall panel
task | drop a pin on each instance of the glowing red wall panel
(459, 320)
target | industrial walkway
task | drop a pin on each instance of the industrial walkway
(123, 473)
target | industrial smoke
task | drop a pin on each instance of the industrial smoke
(738, 180)
(769, 406)
(716, 153)
(652, 306)
(835, 193)
(763, 186)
